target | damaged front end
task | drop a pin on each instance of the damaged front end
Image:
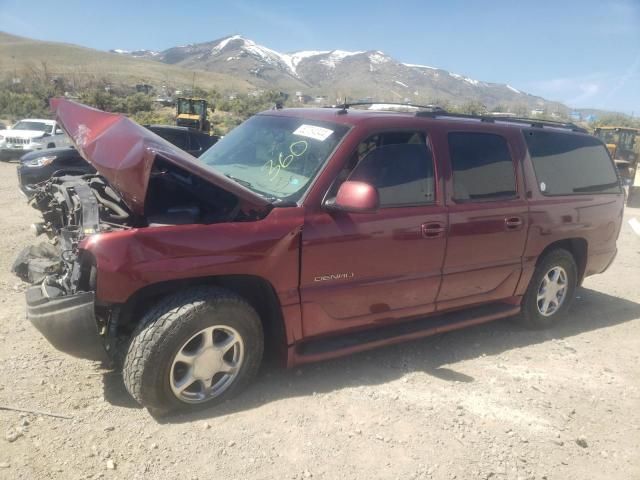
(72, 207)
(142, 182)
(61, 300)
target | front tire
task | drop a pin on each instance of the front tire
(194, 349)
(551, 290)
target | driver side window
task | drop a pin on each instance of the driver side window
(398, 164)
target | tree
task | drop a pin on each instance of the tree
(472, 108)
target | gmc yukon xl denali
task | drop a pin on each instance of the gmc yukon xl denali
(308, 234)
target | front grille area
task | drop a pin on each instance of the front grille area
(18, 141)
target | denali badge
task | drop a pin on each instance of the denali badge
(334, 276)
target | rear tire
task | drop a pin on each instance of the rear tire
(209, 336)
(551, 290)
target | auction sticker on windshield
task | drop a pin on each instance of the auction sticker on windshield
(314, 132)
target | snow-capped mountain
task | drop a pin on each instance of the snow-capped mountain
(333, 73)
(136, 53)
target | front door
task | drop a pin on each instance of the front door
(360, 269)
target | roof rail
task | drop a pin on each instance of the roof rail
(435, 111)
(532, 122)
(427, 108)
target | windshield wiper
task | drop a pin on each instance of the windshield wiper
(244, 183)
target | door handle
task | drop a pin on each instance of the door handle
(513, 223)
(432, 230)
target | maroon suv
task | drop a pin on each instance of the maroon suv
(310, 233)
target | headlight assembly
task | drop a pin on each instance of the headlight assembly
(41, 161)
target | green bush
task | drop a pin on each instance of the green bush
(617, 120)
(153, 118)
(22, 105)
(136, 103)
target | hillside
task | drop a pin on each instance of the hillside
(82, 65)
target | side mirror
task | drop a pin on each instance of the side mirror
(355, 197)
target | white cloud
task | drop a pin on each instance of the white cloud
(597, 89)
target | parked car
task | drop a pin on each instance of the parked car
(31, 134)
(36, 167)
(311, 233)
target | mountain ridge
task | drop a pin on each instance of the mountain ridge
(332, 73)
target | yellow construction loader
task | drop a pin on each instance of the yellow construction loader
(624, 146)
(192, 112)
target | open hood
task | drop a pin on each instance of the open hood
(123, 152)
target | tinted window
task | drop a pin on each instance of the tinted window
(402, 173)
(568, 164)
(482, 166)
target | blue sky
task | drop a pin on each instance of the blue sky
(585, 53)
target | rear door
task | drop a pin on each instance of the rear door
(488, 217)
(374, 268)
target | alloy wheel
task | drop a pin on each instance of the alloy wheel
(552, 291)
(207, 364)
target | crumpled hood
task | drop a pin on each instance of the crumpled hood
(22, 133)
(123, 152)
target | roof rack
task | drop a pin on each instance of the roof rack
(532, 122)
(426, 108)
(434, 111)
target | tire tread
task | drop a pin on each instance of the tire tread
(151, 335)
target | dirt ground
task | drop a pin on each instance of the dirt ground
(494, 401)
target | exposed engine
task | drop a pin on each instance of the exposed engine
(74, 207)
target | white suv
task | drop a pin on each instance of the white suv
(31, 134)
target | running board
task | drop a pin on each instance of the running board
(321, 348)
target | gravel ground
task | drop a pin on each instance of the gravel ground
(493, 401)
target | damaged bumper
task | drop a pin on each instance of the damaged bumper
(67, 322)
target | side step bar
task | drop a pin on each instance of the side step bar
(327, 347)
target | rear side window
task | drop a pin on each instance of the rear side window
(569, 164)
(482, 167)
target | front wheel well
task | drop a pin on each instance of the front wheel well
(577, 247)
(256, 290)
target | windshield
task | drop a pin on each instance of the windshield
(277, 157)
(623, 139)
(627, 140)
(191, 107)
(39, 126)
(608, 136)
